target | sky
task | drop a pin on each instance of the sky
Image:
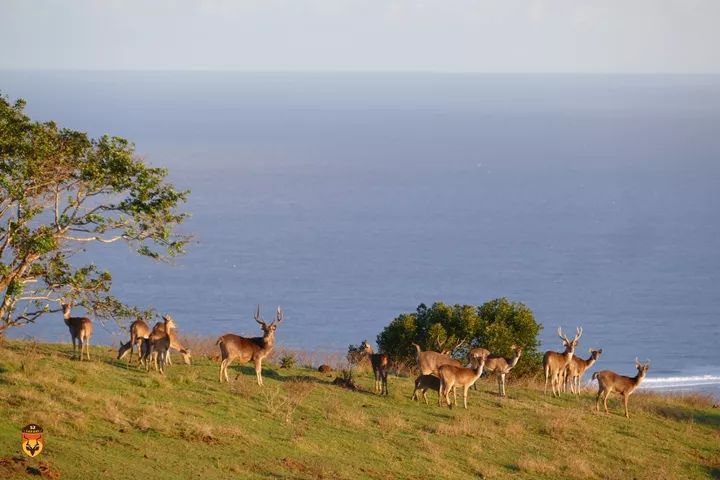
(499, 36)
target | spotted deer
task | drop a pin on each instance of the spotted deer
(577, 368)
(254, 349)
(610, 381)
(380, 363)
(138, 330)
(429, 361)
(157, 346)
(501, 366)
(80, 330)
(452, 377)
(423, 383)
(554, 363)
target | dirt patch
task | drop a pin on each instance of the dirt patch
(345, 383)
(15, 465)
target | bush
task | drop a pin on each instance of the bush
(495, 325)
(287, 361)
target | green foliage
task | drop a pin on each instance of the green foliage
(496, 325)
(287, 361)
(61, 191)
(504, 324)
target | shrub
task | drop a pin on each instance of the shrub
(287, 361)
(495, 325)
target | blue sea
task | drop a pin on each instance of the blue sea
(350, 198)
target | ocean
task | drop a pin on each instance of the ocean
(349, 198)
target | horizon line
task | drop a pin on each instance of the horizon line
(354, 71)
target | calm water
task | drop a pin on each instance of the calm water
(351, 198)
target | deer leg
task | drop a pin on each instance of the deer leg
(87, 347)
(502, 384)
(424, 392)
(597, 400)
(625, 403)
(258, 372)
(465, 392)
(547, 374)
(222, 369)
(607, 394)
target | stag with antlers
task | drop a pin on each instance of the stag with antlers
(555, 363)
(245, 350)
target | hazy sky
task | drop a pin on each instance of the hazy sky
(679, 36)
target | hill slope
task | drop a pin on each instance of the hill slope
(104, 420)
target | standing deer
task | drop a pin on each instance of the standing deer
(380, 363)
(577, 368)
(554, 363)
(423, 383)
(501, 366)
(174, 343)
(430, 361)
(625, 386)
(452, 377)
(249, 349)
(80, 329)
(138, 330)
(158, 345)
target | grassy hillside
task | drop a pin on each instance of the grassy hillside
(104, 420)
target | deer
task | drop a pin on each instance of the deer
(577, 368)
(430, 361)
(554, 363)
(249, 349)
(80, 329)
(380, 363)
(452, 376)
(610, 381)
(175, 344)
(501, 366)
(157, 345)
(138, 330)
(423, 383)
(473, 357)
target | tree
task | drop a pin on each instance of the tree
(505, 323)
(60, 193)
(496, 325)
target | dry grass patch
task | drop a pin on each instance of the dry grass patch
(535, 465)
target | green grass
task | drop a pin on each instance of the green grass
(104, 420)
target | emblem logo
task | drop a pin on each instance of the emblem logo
(32, 440)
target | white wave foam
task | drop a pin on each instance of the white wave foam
(681, 382)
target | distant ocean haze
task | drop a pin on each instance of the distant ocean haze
(351, 198)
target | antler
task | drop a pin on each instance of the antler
(459, 344)
(578, 333)
(562, 335)
(258, 318)
(278, 316)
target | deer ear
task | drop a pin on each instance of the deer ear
(600, 351)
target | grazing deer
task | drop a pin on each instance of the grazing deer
(138, 330)
(174, 343)
(452, 377)
(80, 329)
(158, 345)
(501, 366)
(249, 349)
(554, 363)
(430, 361)
(577, 368)
(423, 383)
(625, 386)
(380, 363)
